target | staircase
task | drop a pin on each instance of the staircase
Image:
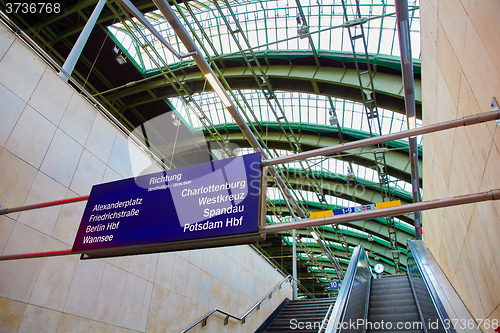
(302, 316)
(391, 301)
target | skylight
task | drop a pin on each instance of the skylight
(268, 25)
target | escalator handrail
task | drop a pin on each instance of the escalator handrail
(443, 316)
(417, 303)
(367, 304)
(344, 293)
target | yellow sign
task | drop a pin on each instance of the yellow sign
(325, 213)
(388, 204)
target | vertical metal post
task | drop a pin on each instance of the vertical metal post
(294, 266)
(76, 51)
(409, 91)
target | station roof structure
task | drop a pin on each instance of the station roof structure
(304, 74)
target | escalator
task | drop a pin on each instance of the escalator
(391, 303)
(420, 301)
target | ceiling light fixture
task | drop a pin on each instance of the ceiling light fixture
(121, 59)
(334, 120)
(350, 174)
(175, 120)
(218, 89)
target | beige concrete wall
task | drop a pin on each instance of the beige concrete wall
(54, 145)
(460, 75)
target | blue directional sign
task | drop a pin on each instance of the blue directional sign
(218, 198)
(334, 285)
(350, 210)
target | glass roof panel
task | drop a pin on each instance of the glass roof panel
(271, 25)
(298, 107)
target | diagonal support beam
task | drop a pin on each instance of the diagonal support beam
(202, 63)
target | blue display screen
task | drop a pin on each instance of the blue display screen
(218, 198)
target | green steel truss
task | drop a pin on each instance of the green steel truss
(291, 67)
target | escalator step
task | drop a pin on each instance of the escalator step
(391, 291)
(389, 285)
(392, 309)
(385, 282)
(394, 303)
(394, 317)
(390, 298)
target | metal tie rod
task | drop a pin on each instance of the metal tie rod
(384, 212)
(309, 223)
(42, 205)
(464, 121)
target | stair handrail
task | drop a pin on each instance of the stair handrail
(242, 319)
(325, 320)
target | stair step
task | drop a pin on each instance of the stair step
(291, 324)
(301, 313)
(289, 329)
(312, 308)
(297, 316)
(281, 322)
(318, 301)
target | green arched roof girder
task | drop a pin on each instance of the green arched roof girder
(375, 248)
(331, 178)
(364, 192)
(338, 82)
(323, 129)
(319, 136)
(322, 261)
(342, 57)
(381, 60)
(338, 185)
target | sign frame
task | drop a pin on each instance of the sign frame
(192, 243)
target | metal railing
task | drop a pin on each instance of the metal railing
(242, 319)
(357, 281)
(418, 275)
(345, 290)
(324, 322)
